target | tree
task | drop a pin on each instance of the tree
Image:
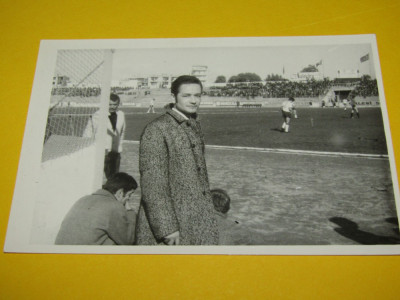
(220, 79)
(275, 77)
(245, 77)
(365, 78)
(310, 68)
(233, 78)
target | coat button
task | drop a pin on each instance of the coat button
(204, 193)
(193, 145)
(198, 169)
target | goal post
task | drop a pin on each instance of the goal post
(100, 141)
(74, 140)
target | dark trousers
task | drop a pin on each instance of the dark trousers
(112, 161)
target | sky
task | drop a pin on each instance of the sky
(229, 61)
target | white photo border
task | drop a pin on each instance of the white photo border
(18, 232)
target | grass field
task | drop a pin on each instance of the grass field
(319, 129)
(294, 199)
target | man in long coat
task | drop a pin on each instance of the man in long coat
(176, 206)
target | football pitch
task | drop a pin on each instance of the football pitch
(318, 129)
(301, 197)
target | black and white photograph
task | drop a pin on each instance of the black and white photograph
(264, 146)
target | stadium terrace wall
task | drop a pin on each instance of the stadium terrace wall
(208, 101)
(277, 102)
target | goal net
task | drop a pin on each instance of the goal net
(75, 97)
(73, 155)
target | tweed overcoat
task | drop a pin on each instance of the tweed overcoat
(174, 182)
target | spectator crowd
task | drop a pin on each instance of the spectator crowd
(281, 89)
(76, 91)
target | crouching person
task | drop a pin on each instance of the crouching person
(226, 227)
(101, 218)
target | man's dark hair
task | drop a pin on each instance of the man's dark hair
(221, 200)
(114, 97)
(120, 180)
(184, 79)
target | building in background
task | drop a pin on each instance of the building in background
(306, 76)
(200, 72)
(60, 81)
(348, 73)
(156, 81)
(153, 81)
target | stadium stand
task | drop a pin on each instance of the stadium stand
(272, 93)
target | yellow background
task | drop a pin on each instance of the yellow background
(43, 276)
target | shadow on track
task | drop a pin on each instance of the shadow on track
(349, 229)
(395, 222)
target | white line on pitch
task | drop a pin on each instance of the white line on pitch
(291, 151)
(301, 152)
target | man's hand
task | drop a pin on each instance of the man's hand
(172, 239)
(130, 205)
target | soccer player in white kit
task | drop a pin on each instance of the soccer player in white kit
(345, 102)
(288, 110)
(151, 107)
